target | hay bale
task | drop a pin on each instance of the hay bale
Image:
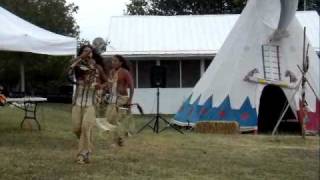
(218, 127)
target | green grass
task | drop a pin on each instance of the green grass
(49, 154)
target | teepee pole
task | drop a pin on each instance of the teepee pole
(303, 83)
(280, 119)
(286, 109)
(309, 84)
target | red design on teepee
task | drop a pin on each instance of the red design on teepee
(222, 113)
(204, 111)
(245, 116)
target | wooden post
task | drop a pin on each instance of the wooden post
(22, 76)
(303, 85)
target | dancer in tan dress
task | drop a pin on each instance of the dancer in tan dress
(89, 77)
(118, 109)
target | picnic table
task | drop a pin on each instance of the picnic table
(29, 106)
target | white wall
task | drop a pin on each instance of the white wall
(170, 99)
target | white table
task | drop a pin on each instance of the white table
(29, 106)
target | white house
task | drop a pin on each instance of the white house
(185, 45)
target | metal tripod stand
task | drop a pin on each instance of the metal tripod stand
(156, 119)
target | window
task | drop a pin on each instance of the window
(133, 71)
(190, 72)
(207, 63)
(173, 72)
(144, 68)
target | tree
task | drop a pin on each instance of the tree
(310, 5)
(43, 73)
(184, 7)
(187, 7)
(138, 7)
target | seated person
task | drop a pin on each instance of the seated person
(2, 96)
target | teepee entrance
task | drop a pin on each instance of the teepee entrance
(272, 103)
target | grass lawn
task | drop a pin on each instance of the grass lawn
(49, 154)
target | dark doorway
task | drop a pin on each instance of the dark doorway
(272, 103)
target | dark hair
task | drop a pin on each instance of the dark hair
(95, 55)
(98, 58)
(83, 47)
(125, 64)
(77, 71)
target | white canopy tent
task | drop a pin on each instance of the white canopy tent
(19, 35)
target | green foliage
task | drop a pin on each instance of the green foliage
(138, 7)
(43, 73)
(9, 68)
(309, 5)
(184, 7)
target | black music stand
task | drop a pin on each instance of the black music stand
(158, 79)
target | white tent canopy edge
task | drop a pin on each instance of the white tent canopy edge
(21, 36)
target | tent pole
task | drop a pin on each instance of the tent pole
(22, 77)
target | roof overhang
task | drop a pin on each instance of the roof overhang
(164, 54)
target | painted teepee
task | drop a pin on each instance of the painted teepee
(264, 49)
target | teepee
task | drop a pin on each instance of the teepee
(257, 70)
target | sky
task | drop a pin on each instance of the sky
(93, 16)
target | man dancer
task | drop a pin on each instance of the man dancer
(89, 77)
(2, 96)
